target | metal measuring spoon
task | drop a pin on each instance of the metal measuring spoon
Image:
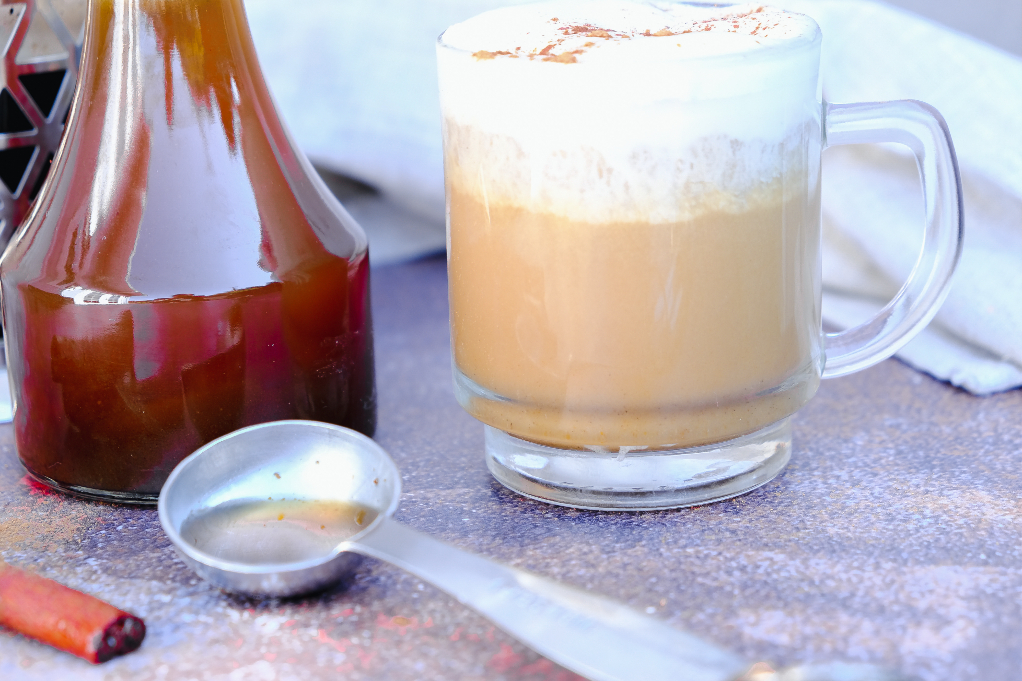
(243, 511)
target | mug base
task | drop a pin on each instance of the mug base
(639, 480)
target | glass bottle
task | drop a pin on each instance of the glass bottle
(184, 272)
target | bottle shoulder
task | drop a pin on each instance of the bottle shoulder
(173, 255)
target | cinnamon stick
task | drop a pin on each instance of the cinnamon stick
(64, 618)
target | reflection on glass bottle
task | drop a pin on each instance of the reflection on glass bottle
(184, 271)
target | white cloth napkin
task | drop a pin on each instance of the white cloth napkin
(356, 82)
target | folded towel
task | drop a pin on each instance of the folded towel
(356, 81)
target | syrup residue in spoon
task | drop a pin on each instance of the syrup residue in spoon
(268, 531)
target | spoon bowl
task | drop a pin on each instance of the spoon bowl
(277, 467)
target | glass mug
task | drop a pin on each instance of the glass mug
(634, 259)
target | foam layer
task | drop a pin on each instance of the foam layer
(652, 182)
(610, 110)
(573, 31)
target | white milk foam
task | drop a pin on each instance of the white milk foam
(599, 27)
(618, 110)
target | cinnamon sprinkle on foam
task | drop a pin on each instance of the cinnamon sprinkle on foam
(570, 39)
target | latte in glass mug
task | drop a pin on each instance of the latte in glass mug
(633, 199)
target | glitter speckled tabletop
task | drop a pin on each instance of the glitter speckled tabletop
(894, 536)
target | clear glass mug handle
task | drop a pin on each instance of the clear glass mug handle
(921, 128)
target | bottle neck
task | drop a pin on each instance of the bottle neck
(163, 49)
(172, 126)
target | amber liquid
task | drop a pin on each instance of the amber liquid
(184, 274)
(257, 532)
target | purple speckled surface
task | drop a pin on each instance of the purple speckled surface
(894, 537)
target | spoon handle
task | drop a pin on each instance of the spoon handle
(586, 633)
